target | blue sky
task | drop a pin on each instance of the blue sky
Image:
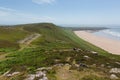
(102, 12)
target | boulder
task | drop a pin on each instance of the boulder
(39, 74)
(30, 77)
(87, 57)
(117, 63)
(115, 70)
(11, 74)
(113, 76)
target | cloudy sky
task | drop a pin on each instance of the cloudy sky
(60, 11)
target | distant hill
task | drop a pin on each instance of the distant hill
(86, 28)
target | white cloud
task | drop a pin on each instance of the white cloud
(6, 9)
(43, 1)
(11, 16)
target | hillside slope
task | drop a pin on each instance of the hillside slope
(9, 36)
(58, 54)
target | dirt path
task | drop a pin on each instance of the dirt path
(29, 39)
(26, 41)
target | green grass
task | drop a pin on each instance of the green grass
(44, 51)
(37, 57)
(12, 34)
(52, 36)
(9, 36)
(88, 46)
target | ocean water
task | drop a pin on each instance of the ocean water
(112, 33)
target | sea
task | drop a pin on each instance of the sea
(111, 32)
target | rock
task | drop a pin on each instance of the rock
(67, 65)
(15, 73)
(6, 73)
(95, 53)
(30, 77)
(109, 66)
(44, 78)
(76, 65)
(115, 70)
(83, 65)
(102, 65)
(59, 65)
(76, 49)
(113, 76)
(44, 68)
(94, 65)
(39, 74)
(11, 74)
(86, 57)
(117, 63)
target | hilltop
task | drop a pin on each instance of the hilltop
(56, 54)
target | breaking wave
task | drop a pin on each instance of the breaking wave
(113, 33)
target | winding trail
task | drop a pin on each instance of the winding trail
(29, 39)
(26, 41)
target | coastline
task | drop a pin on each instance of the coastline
(109, 45)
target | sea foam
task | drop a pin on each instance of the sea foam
(112, 33)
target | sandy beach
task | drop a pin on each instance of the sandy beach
(110, 45)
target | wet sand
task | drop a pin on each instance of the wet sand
(110, 45)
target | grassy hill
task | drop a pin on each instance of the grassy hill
(54, 47)
(9, 36)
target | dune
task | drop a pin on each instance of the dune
(110, 45)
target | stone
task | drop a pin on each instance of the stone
(109, 66)
(44, 78)
(76, 49)
(94, 65)
(117, 63)
(6, 73)
(15, 73)
(30, 77)
(76, 65)
(86, 57)
(95, 53)
(39, 74)
(113, 76)
(102, 65)
(83, 65)
(11, 74)
(44, 68)
(115, 70)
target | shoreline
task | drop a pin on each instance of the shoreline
(109, 45)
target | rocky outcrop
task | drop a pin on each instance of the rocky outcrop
(115, 70)
(113, 76)
(41, 75)
(8, 74)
